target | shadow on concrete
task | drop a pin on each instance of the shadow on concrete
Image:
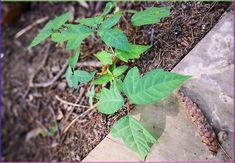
(153, 117)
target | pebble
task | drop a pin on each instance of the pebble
(61, 86)
(55, 69)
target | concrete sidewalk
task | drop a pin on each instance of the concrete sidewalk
(211, 65)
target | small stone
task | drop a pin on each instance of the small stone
(62, 86)
(55, 69)
(59, 116)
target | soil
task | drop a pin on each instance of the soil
(33, 119)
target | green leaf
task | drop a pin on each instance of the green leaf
(118, 83)
(91, 22)
(150, 16)
(42, 35)
(49, 28)
(58, 37)
(110, 100)
(83, 76)
(111, 21)
(74, 35)
(119, 70)
(103, 79)
(75, 43)
(115, 38)
(134, 53)
(104, 57)
(60, 20)
(73, 59)
(134, 135)
(78, 29)
(71, 78)
(152, 87)
(108, 7)
(130, 80)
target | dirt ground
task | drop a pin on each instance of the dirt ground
(33, 119)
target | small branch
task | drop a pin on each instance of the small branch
(89, 64)
(130, 11)
(69, 103)
(128, 106)
(40, 66)
(57, 126)
(77, 118)
(49, 83)
(42, 126)
(24, 30)
(77, 100)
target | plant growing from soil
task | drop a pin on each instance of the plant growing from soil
(113, 86)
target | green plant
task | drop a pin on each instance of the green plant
(112, 82)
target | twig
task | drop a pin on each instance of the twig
(70, 112)
(152, 36)
(125, 20)
(21, 32)
(77, 118)
(57, 126)
(83, 4)
(89, 64)
(40, 66)
(49, 83)
(69, 103)
(42, 126)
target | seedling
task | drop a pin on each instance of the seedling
(113, 82)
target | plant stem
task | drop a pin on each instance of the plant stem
(130, 11)
(128, 107)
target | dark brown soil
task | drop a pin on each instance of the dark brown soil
(33, 119)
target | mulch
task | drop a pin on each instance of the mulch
(33, 119)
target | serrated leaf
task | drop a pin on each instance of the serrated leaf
(104, 57)
(110, 100)
(152, 87)
(119, 70)
(111, 21)
(60, 20)
(131, 78)
(115, 38)
(150, 16)
(134, 53)
(91, 22)
(74, 35)
(103, 79)
(73, 59)
(134, 135)
(78, 29)
(84, 76)
(42, 35)
(49, 28)
(75, 43)
(108, 7)
(71, 78)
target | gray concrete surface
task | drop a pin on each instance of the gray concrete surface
(211, 87)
